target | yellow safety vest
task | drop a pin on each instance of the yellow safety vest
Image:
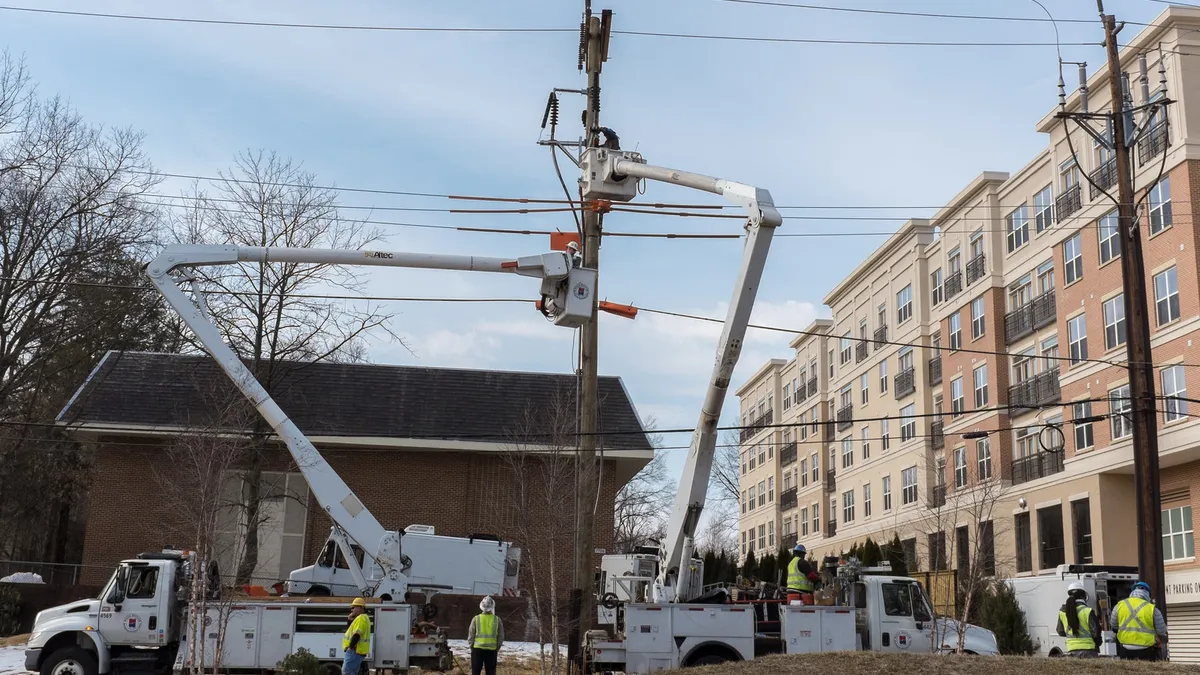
(485, 632)
(1082, 640)
(1135, 622)
(362, 626)
(796, 580)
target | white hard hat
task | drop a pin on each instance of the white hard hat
(487, 604)
(1077, 588)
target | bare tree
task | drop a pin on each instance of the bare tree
(719, 533)
(644, 503)
(725, 484)
(266, 310)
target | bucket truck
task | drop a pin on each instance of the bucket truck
(145, 619)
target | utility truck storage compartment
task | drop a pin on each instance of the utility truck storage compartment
(815, 628)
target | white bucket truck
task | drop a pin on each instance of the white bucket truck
(1041, 596)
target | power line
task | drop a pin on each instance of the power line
(929, 15)
(830, 41)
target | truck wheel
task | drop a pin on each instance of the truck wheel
(70, 661)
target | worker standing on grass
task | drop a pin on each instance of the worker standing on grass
(1141, 628)
(484, 636)
(357, 641)
(1078, 623)
(801, 576)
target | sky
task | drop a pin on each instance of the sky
(832, 130)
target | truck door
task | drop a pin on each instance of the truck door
(904, 619)
(135, 611)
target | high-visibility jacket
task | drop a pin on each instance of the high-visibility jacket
(1081, 640)
(1135, 622)
(797, 580)
(362, 626)
(486, 633)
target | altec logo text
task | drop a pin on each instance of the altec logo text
(376, 254)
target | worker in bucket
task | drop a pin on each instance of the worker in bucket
(1078, 623)
(1141, 628)
(800, 577)
(484, 637)
(357, 641)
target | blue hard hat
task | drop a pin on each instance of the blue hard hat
(1142, 584)
(800, 548)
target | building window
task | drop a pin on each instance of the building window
(1119, 405)
(904, 360)
(1160, 205)
(977, 318)
(816, 470)
(983, 458)
(743, 543)
(1017, 225)
(957, 403)
(1081, 523)
(753, 459)
(744, 500)
(1073, 259)
(1069, 170)
(1166, 296)
(787, 396)
(804, 522)
(962, 544)
(1049, 349)
(904, 304)
(866, 441)
(847, 452)
(762, 538)
(887, 493)
(1177, 533)
(987, 548)
(937, 551)
(1045, 277)
(955, 331)
(844, 356)
(1110, 240)
(908, 422)
(770, 535)
(1027, 440)
(1084, 435)
(1043, 207)
(883, 378)
(935, 283)
(864, 384)
(1024, 539)
(884, 437)
(816, 518)
(1114, 322)
(804, 473)
(771, 489)
(867, 500)
(1050, 537)
(1174, 391)
(908, 486)
(960, 468)
(981, 387)
(762, 493)
(953, 262)
(848, 506)
(1077, 338)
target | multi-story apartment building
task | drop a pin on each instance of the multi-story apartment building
(972, 381)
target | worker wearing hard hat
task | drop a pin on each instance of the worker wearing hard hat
(1141, 628)
(1078, 623)
(357, 641)
(800, 577)
(484, 636)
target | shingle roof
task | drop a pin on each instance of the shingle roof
(336, 399)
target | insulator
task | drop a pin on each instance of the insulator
(553, 111)
(583, 35)
(594, 93)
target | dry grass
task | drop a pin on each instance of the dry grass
(858, 663)
(14, 641)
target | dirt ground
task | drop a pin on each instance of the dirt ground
(858, 663)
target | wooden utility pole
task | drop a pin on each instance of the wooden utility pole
(1144, 413)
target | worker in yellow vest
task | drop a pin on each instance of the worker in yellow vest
(1078, 623)
(356, 643)
(1141, 628)
(800, 577)
(484, 636)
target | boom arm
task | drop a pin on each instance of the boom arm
(606, 173)
(566, 296)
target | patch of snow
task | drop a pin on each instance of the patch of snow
(12, 660)
(23, 578)
(509, 650)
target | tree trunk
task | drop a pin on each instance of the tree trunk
(252, 494)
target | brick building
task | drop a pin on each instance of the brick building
(965, 347)
(432, 446)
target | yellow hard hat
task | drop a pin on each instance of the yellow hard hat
(359, 602)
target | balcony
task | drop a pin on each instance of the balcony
(937, 497)
(787, 456)
(758, 424)
(1068, 202)
(1035, 314)
(976, 268)
(1036, 466)
(789, 541)
(787, 499)
(812, 386)
(860, 352)
(938, 435)
(845, 418)
(905, 383)
(800, 395)
(953, 285)
(1153, 143)
(1041, 389)
(831, 528)
(880, 337)
(830, 480)
(935, 370)
(1104, 178)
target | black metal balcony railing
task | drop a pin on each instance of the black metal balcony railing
(831, 528)
(758, 424)
(880, 337)
(1068, 202)
(830, 480)
(1035, 314)
(905, 383)
(938, 435)
(812, 386)
(828, 433)
(789, 541)
(800, 394)
(845, 417)
(1103, 177)
(860, 352)
(787, 456)
(937, 497)
(935, 369)
(787, 499)
(953, 285)
(1036, 466)
(1039, 390)
(1153, 143)
(976, 268)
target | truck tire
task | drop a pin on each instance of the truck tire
(70, 661)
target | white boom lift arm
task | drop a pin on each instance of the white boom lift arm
(566, 298)
(606, 174)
